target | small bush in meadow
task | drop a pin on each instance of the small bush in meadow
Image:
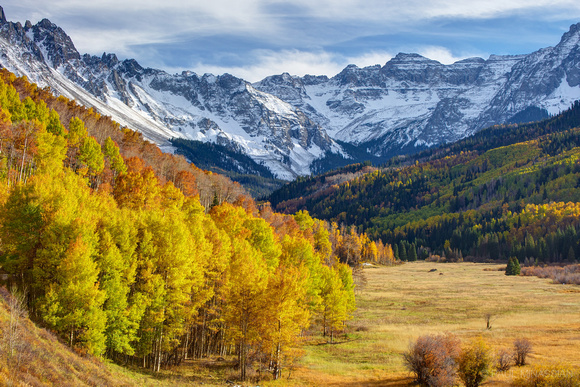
(432, 359)
(503, 359)
(475, 363)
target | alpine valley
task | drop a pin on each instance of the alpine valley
(302, 125)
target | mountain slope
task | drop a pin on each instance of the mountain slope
(33, 356)
(502, 187)
(223, 109)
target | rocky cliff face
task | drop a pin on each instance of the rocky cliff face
(286, 122)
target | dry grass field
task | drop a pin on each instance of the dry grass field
(398, 304)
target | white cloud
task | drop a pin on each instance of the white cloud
(121, 23)
(441, 54)
(370, 59)
(269, 62)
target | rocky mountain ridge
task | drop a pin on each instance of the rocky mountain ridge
(413, 100)
(287, 122)
(222, 109)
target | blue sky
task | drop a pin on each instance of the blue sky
(256, 38)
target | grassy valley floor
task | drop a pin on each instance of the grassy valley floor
(395, 306)
(398, 304)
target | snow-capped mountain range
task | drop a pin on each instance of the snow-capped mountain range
(286, 122)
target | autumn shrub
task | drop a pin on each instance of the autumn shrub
(503, 359)
(432, 358)
(475, 363)
(522, 348)
(548, 376)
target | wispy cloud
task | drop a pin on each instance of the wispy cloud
(294, 62)
(276, 62)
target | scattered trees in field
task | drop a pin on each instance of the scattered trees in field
(439, 360)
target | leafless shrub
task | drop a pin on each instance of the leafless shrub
(504, 358)
(569, 274)
(522, 348)
(432, 360)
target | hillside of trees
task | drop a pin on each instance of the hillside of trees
(510, 190)
(255, 178)
(140, 257)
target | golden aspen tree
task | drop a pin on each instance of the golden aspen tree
(287, 314)
(334, 302)
(90, 159)
(244, 314)
(113, 157)
(54, 125)
(51, 152)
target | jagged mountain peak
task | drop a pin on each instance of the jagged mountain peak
(54, 43)
(2, 16)
(223, 109)
(572, 33)
(110, 60)
(355, 76)
(286, 122)
(403, 57)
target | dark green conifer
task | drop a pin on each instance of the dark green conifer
(513, 267)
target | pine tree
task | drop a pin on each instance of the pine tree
(571, 255)
(513, 267)
(517, 268)
(412, 253)
(509, 270)
(402, 251)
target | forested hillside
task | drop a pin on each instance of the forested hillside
(135, 255)
(506, 191)
(254, 177)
